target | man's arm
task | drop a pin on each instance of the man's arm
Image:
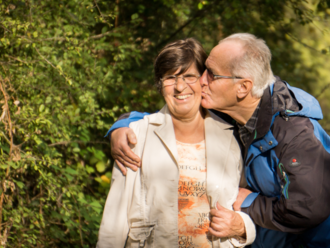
(304, 203)
(120, 137)
(125, 119)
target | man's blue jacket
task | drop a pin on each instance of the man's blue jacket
(287, 166)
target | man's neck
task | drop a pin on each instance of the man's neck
(243, 111)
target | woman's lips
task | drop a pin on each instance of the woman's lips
(182, 97)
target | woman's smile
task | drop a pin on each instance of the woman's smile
(182, 96)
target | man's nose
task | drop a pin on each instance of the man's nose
(203, 79)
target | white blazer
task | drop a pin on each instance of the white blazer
(142, 208)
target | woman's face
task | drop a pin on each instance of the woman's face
(183, 100)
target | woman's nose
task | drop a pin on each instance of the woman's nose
(180, 84)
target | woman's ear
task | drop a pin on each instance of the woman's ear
(244, 88)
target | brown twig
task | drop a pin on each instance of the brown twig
(98, 36)
(304, 44)
(117, 16)
(57, 69)
(198, 14)
(10, 131)
(97, 6)
(40, 208)
(323, 90)
(46, 59)
(79, 217)
(76, 141)
(11, 142)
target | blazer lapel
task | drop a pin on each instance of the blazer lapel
(218, 137)
(166, 132)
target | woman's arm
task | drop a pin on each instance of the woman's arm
(114, 225)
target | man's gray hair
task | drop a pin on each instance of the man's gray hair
(253, 63)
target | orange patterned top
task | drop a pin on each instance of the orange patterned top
(194, 208)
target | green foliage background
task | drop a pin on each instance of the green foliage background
(69, 68)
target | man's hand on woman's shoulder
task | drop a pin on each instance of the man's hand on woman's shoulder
(120, 150)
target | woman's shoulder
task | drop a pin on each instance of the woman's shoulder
(155, 118)
(140, 124)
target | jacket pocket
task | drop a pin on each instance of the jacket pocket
(139, 237)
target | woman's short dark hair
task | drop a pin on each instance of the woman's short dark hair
(180, 53)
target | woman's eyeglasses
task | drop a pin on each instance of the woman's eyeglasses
(173, 79)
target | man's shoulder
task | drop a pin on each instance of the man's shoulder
(287, 128)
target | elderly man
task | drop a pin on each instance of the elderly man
(285, 150)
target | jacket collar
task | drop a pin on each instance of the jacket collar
(215, 128)
(264, 121)
(272, 103)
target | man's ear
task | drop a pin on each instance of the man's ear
(244, 87)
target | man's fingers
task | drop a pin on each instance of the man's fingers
(120, 149)
(227, 222)
(127, 164)
(130, 157)
(220, 212)
(121, 167)
(215, 212)
(217, 233)
(216, 220)
(131, 137)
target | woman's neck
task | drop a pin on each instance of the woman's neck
(190, 130)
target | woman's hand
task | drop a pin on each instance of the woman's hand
(226, 223)
(120, 150)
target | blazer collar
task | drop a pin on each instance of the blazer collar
(165, 131)
(215, 129)
(161, 118)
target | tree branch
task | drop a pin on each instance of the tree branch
(323, 90)
(97, 6)
(198, 14)
(98, 36)
(76, 141)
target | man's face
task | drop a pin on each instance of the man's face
(219, 94)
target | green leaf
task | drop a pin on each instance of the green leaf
(41, 107)
(135, 16)
(76, 149)
(71, 171)
(100, 166)
(89, 169)
(19, 184)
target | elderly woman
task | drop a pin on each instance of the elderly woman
(186, 168)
